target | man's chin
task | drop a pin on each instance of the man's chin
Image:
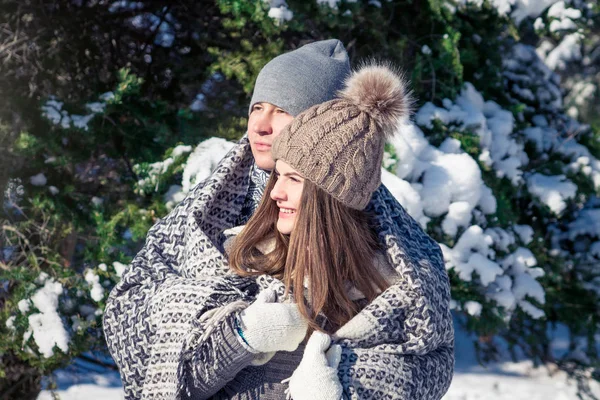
(265, 162)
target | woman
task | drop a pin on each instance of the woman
(340, 270)
(316, 257)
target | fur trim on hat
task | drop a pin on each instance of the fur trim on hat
(381, 92)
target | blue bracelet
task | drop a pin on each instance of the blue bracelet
(239, 330)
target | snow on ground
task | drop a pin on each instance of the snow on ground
(517, 381)
(498, 381)
(509, 380)
(86, 381)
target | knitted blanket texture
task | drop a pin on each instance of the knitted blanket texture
(400, 346)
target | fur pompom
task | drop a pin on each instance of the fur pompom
(381, 92)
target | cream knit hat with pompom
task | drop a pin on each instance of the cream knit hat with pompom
(339, 144)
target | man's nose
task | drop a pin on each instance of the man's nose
(262, 124)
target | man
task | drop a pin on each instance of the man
(154, 318)
(151, 313)
(290, 84)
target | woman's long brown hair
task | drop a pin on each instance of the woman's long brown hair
(331, 245)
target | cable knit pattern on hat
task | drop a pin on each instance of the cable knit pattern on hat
(339, 144)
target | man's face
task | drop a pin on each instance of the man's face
(265, 123)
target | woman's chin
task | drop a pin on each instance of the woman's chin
(284, 227)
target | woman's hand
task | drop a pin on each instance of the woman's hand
(269, 327)
(316, 377)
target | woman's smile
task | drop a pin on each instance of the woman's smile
(286, 212)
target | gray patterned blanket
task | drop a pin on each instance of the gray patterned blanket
(399, 347)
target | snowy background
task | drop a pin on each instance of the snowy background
(456, 166)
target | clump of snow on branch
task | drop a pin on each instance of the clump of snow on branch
(524, 68)
(38, 180)
(553, 191)
(562, 17)
(53, 111)
(503, 7)
(24, 305)
(124, 5)
(279, 11)
(199, 165)
(508, 281)
(96, 291)
(473, 308)
(579, 241)
(518, 10)
(557, 57)
(119, 268)
(10, 322)
(580, 93)
(152, 173)
(472, 253)
(46, 326)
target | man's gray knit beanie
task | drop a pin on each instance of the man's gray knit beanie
(298, 80)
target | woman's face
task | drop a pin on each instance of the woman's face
(287, 193)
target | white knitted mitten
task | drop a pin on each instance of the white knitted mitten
(316, 377)
(269, 327)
